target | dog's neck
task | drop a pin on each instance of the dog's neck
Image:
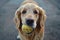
(33, 36)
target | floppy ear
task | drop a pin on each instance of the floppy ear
(17, 19)
(41, 19)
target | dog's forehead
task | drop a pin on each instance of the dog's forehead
(29, 6)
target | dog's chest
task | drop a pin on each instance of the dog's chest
(36, 37)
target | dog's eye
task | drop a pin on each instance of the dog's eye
(24, 11)
(35, 12)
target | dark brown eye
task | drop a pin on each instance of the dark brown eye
(24, 11)
(35, 12)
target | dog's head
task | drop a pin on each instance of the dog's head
(30, 14)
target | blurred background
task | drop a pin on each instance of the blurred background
(8, 29)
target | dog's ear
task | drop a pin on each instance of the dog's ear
(17, 19)
(41, 19)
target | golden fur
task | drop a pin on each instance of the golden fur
(38, 32)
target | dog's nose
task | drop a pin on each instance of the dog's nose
(30, 22)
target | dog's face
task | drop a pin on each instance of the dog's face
(30, 14)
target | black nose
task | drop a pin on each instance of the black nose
(30, 22)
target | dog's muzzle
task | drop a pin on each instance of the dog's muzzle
(30, 22)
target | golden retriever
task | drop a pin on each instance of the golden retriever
(31, 14)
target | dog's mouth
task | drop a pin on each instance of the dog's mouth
(27, 29)
(28, 26)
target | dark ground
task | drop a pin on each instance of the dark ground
(7, 27)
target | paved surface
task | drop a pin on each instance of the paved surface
(7, 27)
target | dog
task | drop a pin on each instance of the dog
(31, 14)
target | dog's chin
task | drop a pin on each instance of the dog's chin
(26, 29)
(30, 32)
